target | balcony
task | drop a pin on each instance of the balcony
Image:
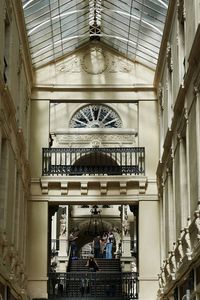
(93, 161)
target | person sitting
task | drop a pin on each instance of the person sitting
(92, 264)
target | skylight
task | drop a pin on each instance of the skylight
(132, 27)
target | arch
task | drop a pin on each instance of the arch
(96, 163)
(95, 116)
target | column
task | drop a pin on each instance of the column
(197, 136)
(149, 248)
(37, 249)
(126, 257)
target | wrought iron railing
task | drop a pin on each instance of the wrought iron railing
(93, 285)
(90, 161)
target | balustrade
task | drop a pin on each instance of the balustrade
(93, 161)
(184, 252)
(94, 284)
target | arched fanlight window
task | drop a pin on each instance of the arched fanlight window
(95, 116)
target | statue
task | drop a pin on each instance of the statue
(63, 225)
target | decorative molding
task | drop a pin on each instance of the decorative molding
(169, 57)
(160, 96)
(103, 188)
(64, 188)
(142, 187)
(123, 188)
(95, 61)
(181, 11)
(45, 187)
(8, 10)
(93, 139)
(84, 188)
(184, 253)
(3, 247)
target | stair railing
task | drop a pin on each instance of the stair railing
(94, 284)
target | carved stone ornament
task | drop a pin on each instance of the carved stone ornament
(180, 250)
(160, 96)
(8, 11)
(95, 61)
(20, 60)
(3, 247)
(167, 268)
(169, 57)
(188, 243)
(197, 223)
(161, 284)
(95, 143)
(173, 266)
(163, 277)
(72, 65)
(181, 10)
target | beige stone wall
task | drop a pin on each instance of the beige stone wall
(15, 86)
(177, 79)
(39, 135)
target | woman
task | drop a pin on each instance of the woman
(92, 264)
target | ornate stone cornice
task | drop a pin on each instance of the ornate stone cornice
(121, 186)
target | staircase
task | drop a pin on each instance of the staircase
(105, 265)
(105, 283)
(78, 282)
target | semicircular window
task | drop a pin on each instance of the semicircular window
(95, 116)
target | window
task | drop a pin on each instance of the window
(96, 116)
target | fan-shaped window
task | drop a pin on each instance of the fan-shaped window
(96, 116)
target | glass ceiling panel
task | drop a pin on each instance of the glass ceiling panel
(57, 27)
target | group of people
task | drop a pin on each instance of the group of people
(103, 245)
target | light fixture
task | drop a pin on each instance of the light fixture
(95, 226)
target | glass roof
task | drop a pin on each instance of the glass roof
(132, 27)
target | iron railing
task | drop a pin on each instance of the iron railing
(93, 285)
(90, 161)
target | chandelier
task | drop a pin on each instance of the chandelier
(95, 226)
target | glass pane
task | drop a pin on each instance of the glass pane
(56, 27)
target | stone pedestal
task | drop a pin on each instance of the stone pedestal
(126, 246)
(62, 254)
(126, 257)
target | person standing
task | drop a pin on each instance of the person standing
(96, 246)
(73, 245)
(109, 245)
